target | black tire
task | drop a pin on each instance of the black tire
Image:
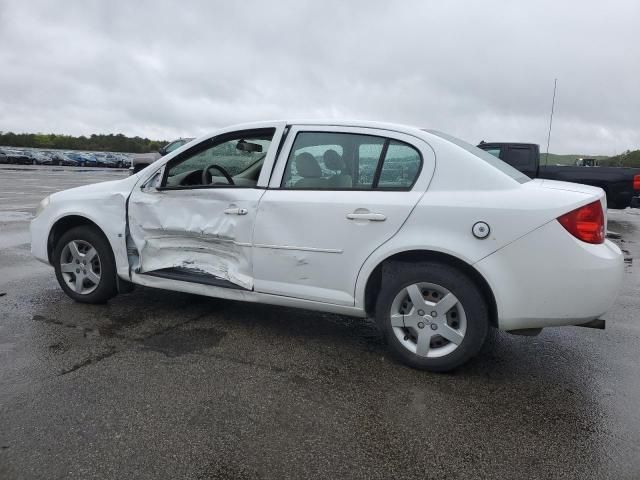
(398, 276)
(107, 287)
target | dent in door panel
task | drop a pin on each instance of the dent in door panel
(186, 237)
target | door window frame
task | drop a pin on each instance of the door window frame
(277, 178)
(218, 140)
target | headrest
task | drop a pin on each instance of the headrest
(307, 166)
(333, 160)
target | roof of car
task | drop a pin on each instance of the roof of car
(339, 123)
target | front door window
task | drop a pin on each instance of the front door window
(234, 160)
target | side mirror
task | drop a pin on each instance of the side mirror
(162, 151)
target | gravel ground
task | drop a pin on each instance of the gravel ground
(168, 385)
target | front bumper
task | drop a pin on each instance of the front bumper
(39, 238)
(549, 278)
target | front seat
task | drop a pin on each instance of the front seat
(334, 162)
(310, 171)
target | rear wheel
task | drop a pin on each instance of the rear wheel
(432, 315)
(85, 266)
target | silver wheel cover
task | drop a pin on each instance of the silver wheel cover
(428, 320)
(80, 266)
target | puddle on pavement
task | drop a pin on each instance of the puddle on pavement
(177, 342)
(102, 329)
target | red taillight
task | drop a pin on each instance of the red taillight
(585, 223)
(636, 182)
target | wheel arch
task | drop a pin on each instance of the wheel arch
(374, 280)
(63, 225)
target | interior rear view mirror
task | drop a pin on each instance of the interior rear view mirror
(245, 146)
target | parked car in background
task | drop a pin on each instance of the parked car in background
(38, 157)
(620, 184)
(76, 157)
(170, 147)
(19, 157)
(58, 157)
(140, 161)
(66, 160)
(104, 160)
(51, 157)
(355, 218)
(82, 159)
(123, 160)
(5, 155)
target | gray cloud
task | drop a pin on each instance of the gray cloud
(479, 70)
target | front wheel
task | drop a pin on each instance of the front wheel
(85, 266)
(432, 315)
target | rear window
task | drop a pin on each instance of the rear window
(492, 160)
(520, 157)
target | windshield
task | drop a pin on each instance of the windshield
(495, 162)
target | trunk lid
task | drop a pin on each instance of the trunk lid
(568, 186)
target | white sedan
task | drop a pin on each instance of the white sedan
(436, 239)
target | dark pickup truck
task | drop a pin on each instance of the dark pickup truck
(622, 185)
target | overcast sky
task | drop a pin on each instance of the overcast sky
(475, 69)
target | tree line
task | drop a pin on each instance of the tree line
(627, 159)
(98, 143)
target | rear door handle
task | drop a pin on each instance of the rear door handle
(236, 211)
(373, 217)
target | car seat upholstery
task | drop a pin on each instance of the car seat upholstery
(310, 171)
(334, 162)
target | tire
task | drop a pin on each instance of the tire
(413, 332)
(97, 282)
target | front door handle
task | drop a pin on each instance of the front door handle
(236, 211)
(373, 217)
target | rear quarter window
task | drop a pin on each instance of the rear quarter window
(401, 166)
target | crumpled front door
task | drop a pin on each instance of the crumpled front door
(203, 231)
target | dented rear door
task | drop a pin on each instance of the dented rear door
(182, 228)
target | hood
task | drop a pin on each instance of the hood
(122, 187)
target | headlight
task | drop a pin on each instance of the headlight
(42, 205)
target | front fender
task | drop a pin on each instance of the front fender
(101, 204)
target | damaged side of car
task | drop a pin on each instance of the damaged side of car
(193, 219)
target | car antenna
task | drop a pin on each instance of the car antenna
(553, 102)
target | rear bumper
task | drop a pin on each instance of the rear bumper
(549, 278)
(635, 202)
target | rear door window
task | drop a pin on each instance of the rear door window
(349, 161)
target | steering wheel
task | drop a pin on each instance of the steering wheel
(207, 177)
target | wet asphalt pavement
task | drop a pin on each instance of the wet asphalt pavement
(158, 384)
